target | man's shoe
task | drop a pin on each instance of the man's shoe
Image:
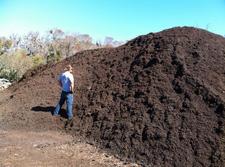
(69, 122)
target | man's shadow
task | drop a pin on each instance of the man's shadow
(50, 109)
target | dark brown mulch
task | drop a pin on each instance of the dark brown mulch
(158, 100)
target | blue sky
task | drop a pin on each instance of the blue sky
(120, 19)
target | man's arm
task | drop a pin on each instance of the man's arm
(72, 84)
(59, 82)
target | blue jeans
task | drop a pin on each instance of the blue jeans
(68, 97)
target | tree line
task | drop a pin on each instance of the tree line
(20, 53)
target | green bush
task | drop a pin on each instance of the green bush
(38, 60)
(54, 56)
(13, 66)
(10, 74)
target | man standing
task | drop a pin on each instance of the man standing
(66, 82)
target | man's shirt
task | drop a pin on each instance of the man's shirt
(66, 80)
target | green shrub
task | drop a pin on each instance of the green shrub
(54, 56)
(38, 60)
(10, 74)
(13, 66)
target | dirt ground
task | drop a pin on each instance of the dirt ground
(158, 100)
(51, 148)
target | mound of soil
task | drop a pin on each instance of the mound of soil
(159, 99)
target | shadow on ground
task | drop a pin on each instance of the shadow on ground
(50, 109)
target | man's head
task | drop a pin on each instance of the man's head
(69, 68)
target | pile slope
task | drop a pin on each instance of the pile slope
(159, 99)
